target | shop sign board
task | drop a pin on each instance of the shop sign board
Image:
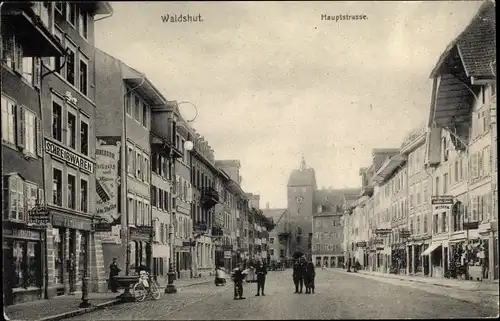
(378, 241)
(39, 215)
(441, 203)
(107, 176)
(22, 234)
(66, 155)
(361, 244)
(227, 254)
(72, 222)
(383, 231)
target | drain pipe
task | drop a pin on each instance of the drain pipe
(1, 152)
(58, 69)
(124, 167)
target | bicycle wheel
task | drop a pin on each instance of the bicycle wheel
(154, 289)
(139, 292)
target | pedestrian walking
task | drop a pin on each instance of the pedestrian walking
(71, 271)
(114, 270)
(238, 276)
(261, 272)
(309, 277)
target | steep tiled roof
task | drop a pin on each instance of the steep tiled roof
(476, 44)
(305, 177)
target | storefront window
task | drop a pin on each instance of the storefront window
(32, 264)
(58, 256)
(19, 249)
(26, 264)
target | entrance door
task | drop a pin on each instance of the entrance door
(72, 259)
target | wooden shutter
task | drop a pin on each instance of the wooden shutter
(18, 57)
(21, 126)
(6, 196)
(37, 69)
(39, 137)
(41, 198)
(450, 171)
(487, 160)
(480, 164)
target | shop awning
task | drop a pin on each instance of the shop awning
(431, 248)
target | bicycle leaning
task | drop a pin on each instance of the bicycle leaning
(146, 286)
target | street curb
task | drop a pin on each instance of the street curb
(180, 286)
(74, 313)
(409, 280)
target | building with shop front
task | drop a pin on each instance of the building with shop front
(69, 89)
(466, 229)
(327, 229)
(382, 206)
(125, 98)
(163, 155)
(392, 176)
(419, 189)
(25, 251)
(204, 176)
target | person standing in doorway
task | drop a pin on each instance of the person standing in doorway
(261, 272)
(114, 270)
(71, 273)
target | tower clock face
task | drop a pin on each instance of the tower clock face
(299, 199)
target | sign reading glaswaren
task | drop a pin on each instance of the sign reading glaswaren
(441, 203)
(68, 156)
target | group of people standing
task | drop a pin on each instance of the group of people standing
(303, 275)
(239, 274)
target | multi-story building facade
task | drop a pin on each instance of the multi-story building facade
(393, 180)
(465, 131)
(163, 155)
(124, 99)
(70, 93)
(382, 206)
(327, 229)
(276, 249)
(419, 189)
(25, 41)
(183, 193)
(204, 176)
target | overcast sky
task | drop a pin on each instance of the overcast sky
(272, 81)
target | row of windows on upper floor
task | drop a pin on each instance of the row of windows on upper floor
(21, 127)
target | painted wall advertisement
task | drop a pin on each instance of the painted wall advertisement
(107, 184)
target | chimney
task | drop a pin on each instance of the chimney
(267, 205)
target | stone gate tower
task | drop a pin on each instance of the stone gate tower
(300, 204)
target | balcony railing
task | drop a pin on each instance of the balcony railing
(210, 197)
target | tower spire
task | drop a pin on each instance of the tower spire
(303, 163)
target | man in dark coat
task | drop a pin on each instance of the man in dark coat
(309, 277)
(298, 275)
(261, 272)
(114, 270)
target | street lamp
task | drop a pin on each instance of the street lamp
(171, 274)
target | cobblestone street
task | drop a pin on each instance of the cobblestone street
(338, 295)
